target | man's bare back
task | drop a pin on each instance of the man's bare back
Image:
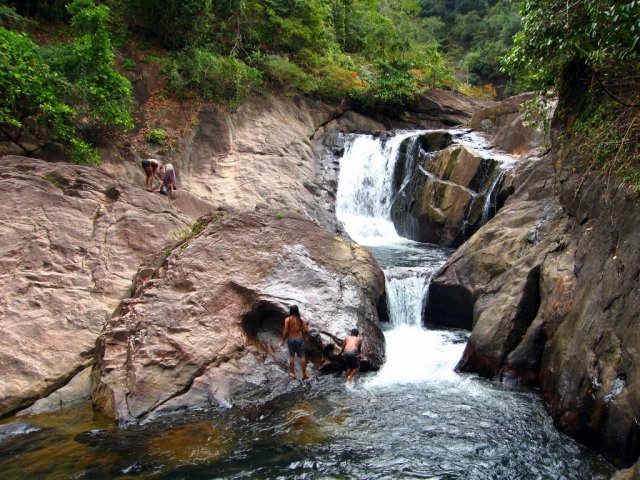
(294, 327)
(352, 343)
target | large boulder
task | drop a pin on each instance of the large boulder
(447, 196)
(590, 372)
(444, 108)
(265, 154)
(478, 287)
(204, 328)
(71, 240)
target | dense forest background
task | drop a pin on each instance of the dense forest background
(64, 63)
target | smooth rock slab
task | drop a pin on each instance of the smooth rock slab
(71, 239)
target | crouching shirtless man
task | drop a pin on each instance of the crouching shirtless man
(351, 353)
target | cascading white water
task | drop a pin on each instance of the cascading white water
(363, 205)
(486, 209)
(365, 188)
(406, 290)
(364, 200)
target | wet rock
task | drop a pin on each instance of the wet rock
(78, 390)
(551, 284)
(435, 140)
(205, 329)
(444, 200)
(491, 283)
(16, 429)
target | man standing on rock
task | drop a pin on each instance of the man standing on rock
(295, 330)
(351, 352)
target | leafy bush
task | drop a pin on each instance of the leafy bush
(175, 23)
(589, 50)
(598, 33)
(156, 136)
(54, 92)
(83, 153)
(203, 73)
(285, 74)
(391, 87)
(483, 63)
(101, 96)
(29, 92)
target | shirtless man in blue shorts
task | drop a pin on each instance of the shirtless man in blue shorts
(295, 329)
(351, 353)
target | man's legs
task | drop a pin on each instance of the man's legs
(292, 367)
(303, 365)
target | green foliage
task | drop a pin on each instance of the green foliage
(590, 51)
(83, 153)
(475, 34)
(606, 138)
(128, 64)
(482, 62)
(200, 72)
(294, 25)
(29, 92)
(156, 136)
(53, 181)
(61, 92)
(315, 47)
(183, 234)
(391, 88)
(286, 74)
(175, 23)
(555, 33)
(101, 96)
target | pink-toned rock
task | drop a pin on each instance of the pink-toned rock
(206, 327)
(71, 239)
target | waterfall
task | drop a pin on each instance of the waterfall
(370, 176)
(366, 188)
(486, 210)
(406, 291)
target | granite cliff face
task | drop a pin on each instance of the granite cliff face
(550, 288)
(71, 240)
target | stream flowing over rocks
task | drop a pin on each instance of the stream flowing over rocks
(151, 304)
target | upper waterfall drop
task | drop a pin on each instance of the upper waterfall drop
(430, 186)
(365, 188)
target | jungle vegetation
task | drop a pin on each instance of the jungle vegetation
(63, 61)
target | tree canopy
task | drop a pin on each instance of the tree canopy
(590, 52)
